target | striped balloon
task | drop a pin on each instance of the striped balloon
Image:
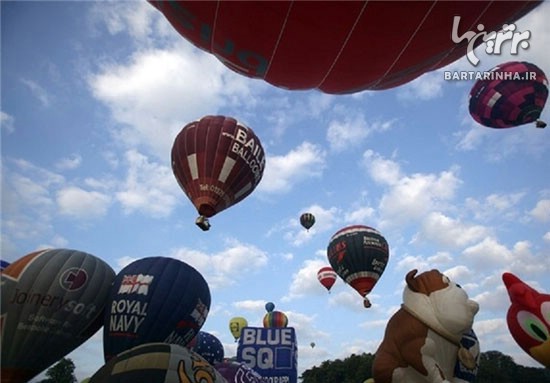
(327, 277)
(513, 94)
(359, 254)
(275, 319)
(217, 161)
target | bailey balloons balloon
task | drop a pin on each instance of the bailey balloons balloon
(370, 45)
(157, 363)
(236, 326)
(218, 162)
(52, 302)
(359, 255)
(307, 220)
(327, 277)
(513, 94)
(155, 299)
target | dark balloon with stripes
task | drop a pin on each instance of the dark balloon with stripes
(359, 255)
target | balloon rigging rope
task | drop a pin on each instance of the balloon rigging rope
(344, 44)
(456, 46)
(406, 45)
(279, 38)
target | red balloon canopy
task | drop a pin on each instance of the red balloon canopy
(336, 46)
(217, 162)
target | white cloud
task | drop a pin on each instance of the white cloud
(305, 282)
(149, 187)
(541, 212)
(426, 87)
(37, 91)
(352, 131)
(282, 172)
(71, 162)
(82, 204)
(7, 122)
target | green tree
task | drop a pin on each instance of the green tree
(61, 372)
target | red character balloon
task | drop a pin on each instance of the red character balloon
(528, 318)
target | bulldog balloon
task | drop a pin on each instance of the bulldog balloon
(422, 341)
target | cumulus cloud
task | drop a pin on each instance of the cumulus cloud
(7, 122)
(82, 204)
(69, 163)
(425, 87)
(541, 212)
(283, 171)
(304, 281)
(353, 130)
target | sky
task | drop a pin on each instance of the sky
(94, 93)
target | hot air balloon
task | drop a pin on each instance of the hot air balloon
(209, 347)
(358, 254)
(513, 94)
(217, 161)
(312, 344)
(155, 299)
(288, 44)
(52, 302)
(269, 307)
(3, 264)
(528, 318)
(275, 319)
(307, 220)
(238, 372)
(236, 326)
(327, 277)
(157, 363)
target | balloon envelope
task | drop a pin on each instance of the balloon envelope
(154, 299)
(157, 363)
(275, 319)
(52, 302)
(269, 307)
(515, 96)
(327, 277)
(358, 254)
(236, 326)
(336, 46)
(217, 161)
(307, 220)
(209, 347)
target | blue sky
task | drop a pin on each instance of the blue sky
(94, 93)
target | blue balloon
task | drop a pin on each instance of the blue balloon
(269, 307)
(154, 299)
(209, 347)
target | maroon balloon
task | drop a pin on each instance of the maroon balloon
(336, 46)
(217, 161)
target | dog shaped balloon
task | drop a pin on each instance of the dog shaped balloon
(422, 339)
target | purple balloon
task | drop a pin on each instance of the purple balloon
(235, 372)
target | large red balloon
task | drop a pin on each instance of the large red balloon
(217, 161)
(336, 46)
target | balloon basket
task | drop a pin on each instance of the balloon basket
(203, 223)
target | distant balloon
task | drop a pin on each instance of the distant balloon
(307, 220)
(3, 264)
(155, 299)
(236, 326)
(157, 363)
(269, 307)
(312, 344)
(278, 41)
(52, 302)
(528, 318)
(238, 372)
(217, 161)
(275, 319)
(358, 254)
(327, 277)
(209, 347)
(515, 96)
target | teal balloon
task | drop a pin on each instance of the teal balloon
(52, 301)
(269, 307)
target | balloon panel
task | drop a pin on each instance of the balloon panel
(52, 302)
(157, 363)
(154, 299)
(358, 254)
(275, 319)
(516, 97)
(289, 45)
(217, 161)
